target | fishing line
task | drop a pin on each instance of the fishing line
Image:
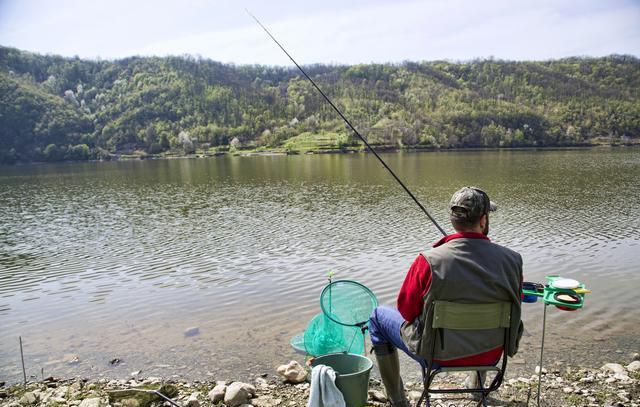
(350, 126)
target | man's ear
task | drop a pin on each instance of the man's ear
(483, 220)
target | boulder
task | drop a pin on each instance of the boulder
(238, 393)
(216, 395)
(293, 372)
(634, 366)
(614, 367)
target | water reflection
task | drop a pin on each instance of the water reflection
(96, 257)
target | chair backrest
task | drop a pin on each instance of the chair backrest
(463, 316)
(455, 315)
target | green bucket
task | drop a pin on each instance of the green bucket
(352, 375)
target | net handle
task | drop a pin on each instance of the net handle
(327, 313)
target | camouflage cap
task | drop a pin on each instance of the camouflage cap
(469, 204)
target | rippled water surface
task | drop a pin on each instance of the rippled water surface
(117, 259)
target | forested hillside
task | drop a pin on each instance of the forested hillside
(54, 108)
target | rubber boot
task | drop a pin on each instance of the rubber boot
(389, 366)
(471, 382)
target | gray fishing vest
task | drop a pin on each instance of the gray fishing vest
(468, 271)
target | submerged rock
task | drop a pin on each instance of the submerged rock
(193, 331)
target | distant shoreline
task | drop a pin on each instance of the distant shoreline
(140, 156)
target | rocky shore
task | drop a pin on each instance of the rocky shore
(614, 384)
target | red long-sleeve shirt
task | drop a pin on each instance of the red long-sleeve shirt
(416, 285)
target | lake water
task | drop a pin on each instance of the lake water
(117, 259)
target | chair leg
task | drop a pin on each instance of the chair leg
(426, 382)
(483, 398)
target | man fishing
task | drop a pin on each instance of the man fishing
(465, 267)
(462, 266)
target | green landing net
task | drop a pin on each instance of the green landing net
(348, 303)
(323, 336)
(346, 307)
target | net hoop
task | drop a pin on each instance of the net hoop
(326, 302)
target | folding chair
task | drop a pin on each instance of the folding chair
(455, 315)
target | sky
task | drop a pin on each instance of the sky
(327, 31)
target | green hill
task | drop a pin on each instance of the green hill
(55, 108)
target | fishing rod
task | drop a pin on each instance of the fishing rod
(384, 164)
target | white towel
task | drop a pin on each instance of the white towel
(323, 390)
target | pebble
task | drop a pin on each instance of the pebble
(28, 398)
(265, 401)
(568, 390)
(537, 370)
(193, 401)
(91, 402)
(414, 395)
(192, 331)
(377, 395)
(261, 383)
